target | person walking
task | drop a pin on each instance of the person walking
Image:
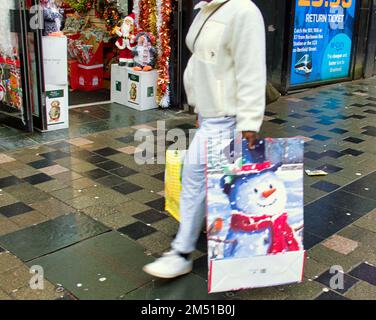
(225, 82)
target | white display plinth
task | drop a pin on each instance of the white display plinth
(134, 89)
(55, 60)
(57, 109)
(119, 76)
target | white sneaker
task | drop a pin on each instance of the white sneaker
(170, 265)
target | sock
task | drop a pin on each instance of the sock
(184, 255)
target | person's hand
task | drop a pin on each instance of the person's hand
(251, 137)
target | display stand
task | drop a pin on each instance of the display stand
(119, 76)
(134, 89)
(56, 82)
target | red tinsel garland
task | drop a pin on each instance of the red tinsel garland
(164, 38)
(145, 12)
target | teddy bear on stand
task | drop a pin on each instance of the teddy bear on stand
(126, 41)
(144, 52)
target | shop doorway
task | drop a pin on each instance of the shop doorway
(90, 50)
(21, 73)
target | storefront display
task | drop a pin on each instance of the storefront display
(108, 10)
(103, 31)
(322, 41)
(87, 26)
(89, 42)
(21, 70)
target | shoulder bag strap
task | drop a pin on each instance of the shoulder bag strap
(206, 20)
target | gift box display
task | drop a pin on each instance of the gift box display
(90, 77)
(86, 64)
(86, 52)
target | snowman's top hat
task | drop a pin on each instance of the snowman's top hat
(252, 162)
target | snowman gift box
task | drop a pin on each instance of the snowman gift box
(255, 213)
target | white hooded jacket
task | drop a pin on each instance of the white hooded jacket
(226, 75)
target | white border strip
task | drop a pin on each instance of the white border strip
(90, 104)
(95, 66)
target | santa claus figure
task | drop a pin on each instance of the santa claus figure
(126, 41)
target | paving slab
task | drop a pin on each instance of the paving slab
(103, 267)
(362, 291)
(189, 287)
(50, 236)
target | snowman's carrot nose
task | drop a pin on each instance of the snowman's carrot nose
(218, 224)
(267, 194)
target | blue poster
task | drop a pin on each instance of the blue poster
(322, 40)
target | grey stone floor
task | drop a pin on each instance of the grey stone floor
(75, 202)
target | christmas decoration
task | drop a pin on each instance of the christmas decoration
(122, 6)
(81, 6)
(10, 81)
(111, 15)
(148, 17)
(126, 41)
(164, 10)
(108, 10)
(2, 84)
(154, 16)
(2, 92)
(144, 52)
(136, 12)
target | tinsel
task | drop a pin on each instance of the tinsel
(164, 9)
(148, 17)
(159, 26)
(136, 11)
(145, 12)
(165, 100)
(153, 18)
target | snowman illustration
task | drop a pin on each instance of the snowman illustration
(259, 221)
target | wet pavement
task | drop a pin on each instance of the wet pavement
(76, 203)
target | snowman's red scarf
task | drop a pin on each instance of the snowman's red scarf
(283, 237)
